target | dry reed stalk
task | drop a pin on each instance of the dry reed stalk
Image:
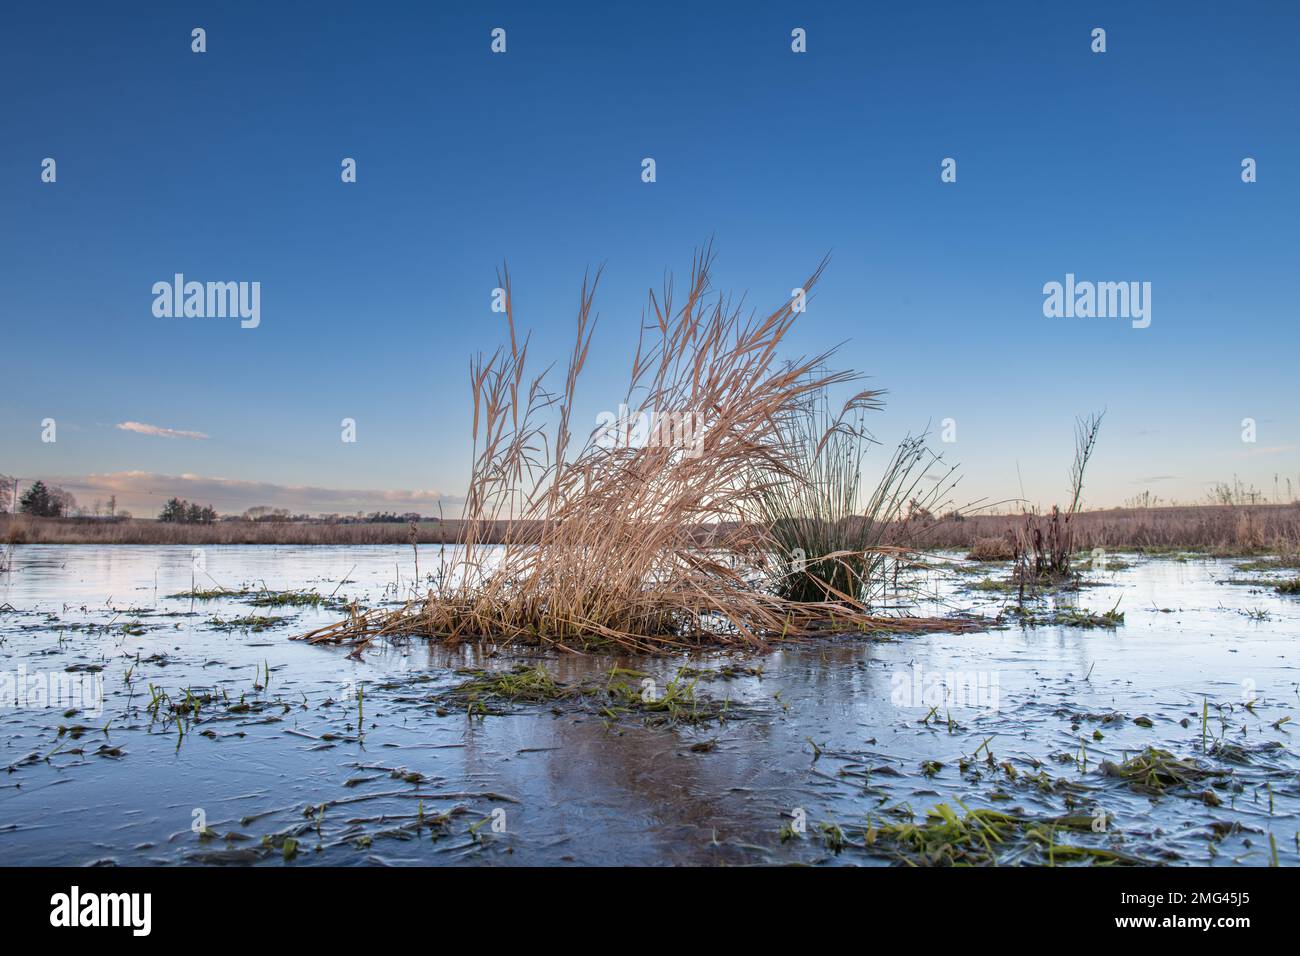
(602, 543)
(1045, 554)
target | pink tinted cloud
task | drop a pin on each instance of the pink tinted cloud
(157, 430)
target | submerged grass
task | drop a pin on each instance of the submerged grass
(1155, 771)
(248, 622)
(980, 837)
(522, 684)
(1068, 617)
(295, 599)
(621, 694)
(263, 597)
(208, 594)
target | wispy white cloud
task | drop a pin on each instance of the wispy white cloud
(159, 431)
(1265, 450)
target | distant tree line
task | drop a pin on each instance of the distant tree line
(267, 513)
(179, 511)
(388, 517)
(108, 509)
(46, 502)
(50, 501)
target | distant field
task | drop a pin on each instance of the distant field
(26, 530)
(1226, 529)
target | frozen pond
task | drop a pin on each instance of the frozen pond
(131, 719)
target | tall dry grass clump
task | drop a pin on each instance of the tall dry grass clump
(622, 538)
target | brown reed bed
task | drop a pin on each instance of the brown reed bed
(1221, 530)
(25, 529)
(602, 543)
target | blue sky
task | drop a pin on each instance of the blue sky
(1121, 166)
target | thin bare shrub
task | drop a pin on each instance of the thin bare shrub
(1044, 546)
(632, 544)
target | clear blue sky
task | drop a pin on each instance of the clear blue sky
(225, 166)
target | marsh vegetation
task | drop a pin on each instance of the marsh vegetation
(604, 544)
(766, 645)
